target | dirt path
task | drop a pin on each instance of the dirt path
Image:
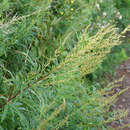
(124, 98)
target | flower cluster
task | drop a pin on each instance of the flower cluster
(118, 15)
(72, 1)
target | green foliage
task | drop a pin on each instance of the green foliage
(124, 8)
(46, 49)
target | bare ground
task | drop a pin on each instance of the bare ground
(123, 101)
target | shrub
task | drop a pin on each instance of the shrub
(45, 52)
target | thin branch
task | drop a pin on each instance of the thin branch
(30, 85)
(19, 92)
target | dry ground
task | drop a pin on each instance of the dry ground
(123, 101)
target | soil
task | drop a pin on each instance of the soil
(123, 101)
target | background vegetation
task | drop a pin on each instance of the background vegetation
(53, 61)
